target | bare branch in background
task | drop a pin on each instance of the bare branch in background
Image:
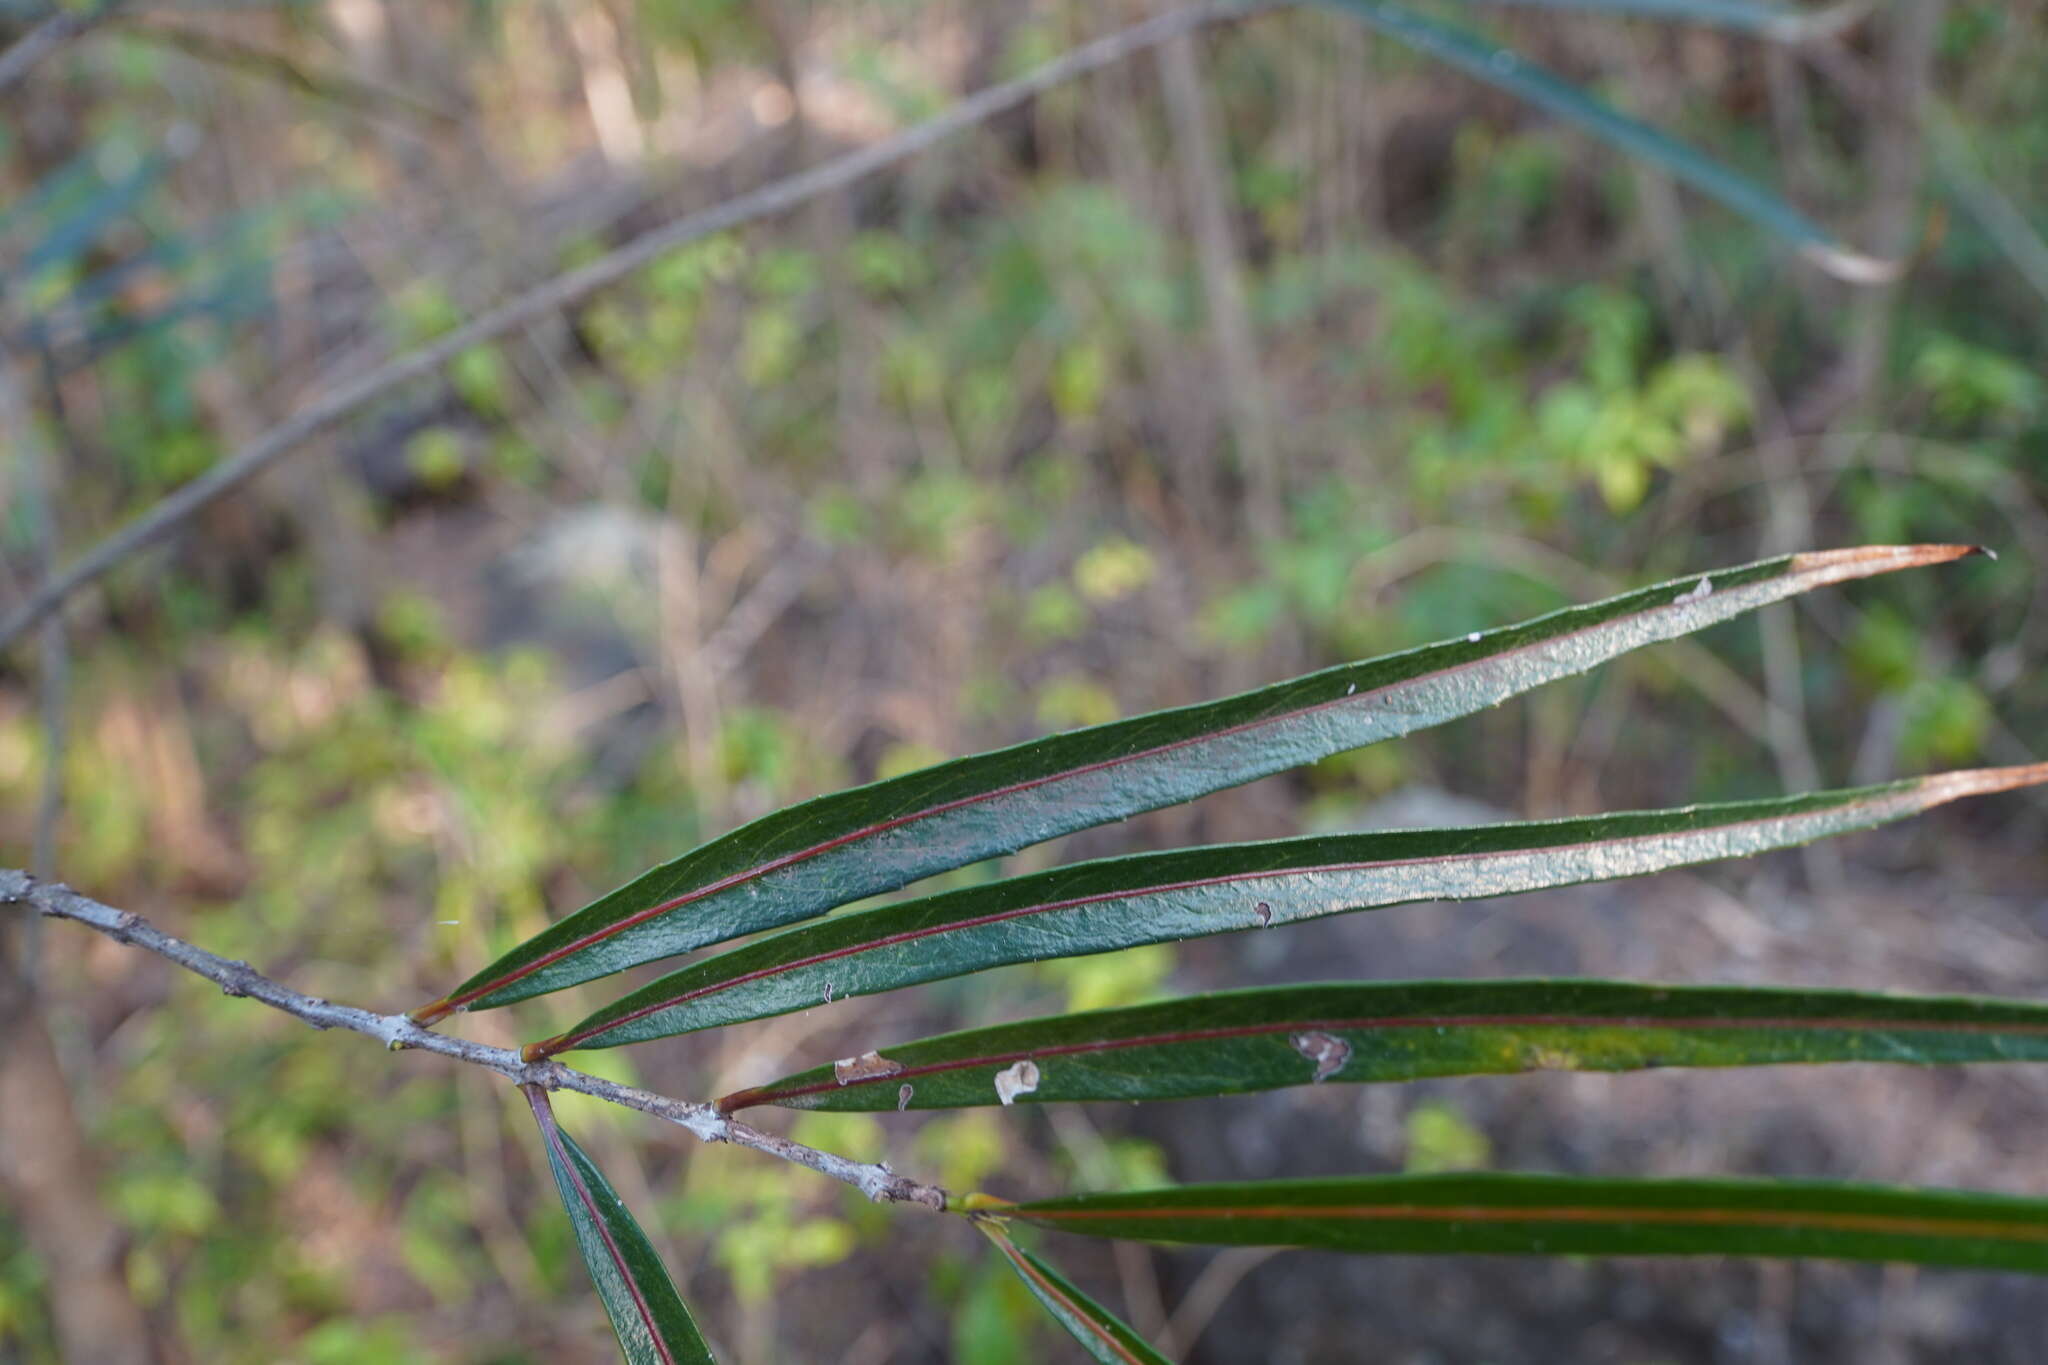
(44, 39)
(371, 99)
(46, 1164)
(36, 476)
(563, 290)
(399, 1033)
(1199, 157)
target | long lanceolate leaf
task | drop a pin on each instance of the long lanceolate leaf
(1561, 1215)
(1488, 61)
(1229, 1042)
(653, 1326)
(808, 859)
(1743, 16)
(1151, 898)
(1098, 1330)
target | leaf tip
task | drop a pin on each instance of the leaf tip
(1864, 561)
(1852, 267)
(1944, 787)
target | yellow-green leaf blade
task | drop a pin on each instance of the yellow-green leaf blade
(1231, 1042)
(1492, 1213)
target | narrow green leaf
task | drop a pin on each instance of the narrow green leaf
(71, 236)
(1778, 22)
(810, 858)
(1229, 1042)
(1155, 897)
(1098, 1330)
(1488, 61)
(653, 1326)
(1486, 1214)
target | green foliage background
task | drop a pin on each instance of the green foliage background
(492, 651)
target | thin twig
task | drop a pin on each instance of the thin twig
(398, 1033)
(381, 102)
(563, 290)
(45, 38)
(43, 479)
(37, 472)
(1199, 157)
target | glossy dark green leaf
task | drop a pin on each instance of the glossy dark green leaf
(1156, 897)
(653, 1326)
(1485, 1214)
(1098, 1330)
(1229, 1042)
(1488, 61)
(810, 858)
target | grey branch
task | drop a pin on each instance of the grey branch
(563, 290)
(398, 1033)
(45, 38)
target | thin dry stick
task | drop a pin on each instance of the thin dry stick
(45, 477)
(40, 41)
(37, 474)
(1198, 156)
(1197, 1308)
(398, 1033)
(563, 290)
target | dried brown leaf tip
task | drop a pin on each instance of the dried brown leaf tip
(1329, 1053)
(866, 1067)
(1020, 1079)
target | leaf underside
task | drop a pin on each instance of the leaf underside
(1157, 897)
(1483, 1214)
(648, 1315)
(1230, 1042)
(801, 862)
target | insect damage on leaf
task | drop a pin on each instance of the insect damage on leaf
(866, 1067)
(1328, 1052)
(1020, 1079)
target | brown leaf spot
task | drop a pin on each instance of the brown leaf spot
(866, 1067)
(1265, 913)
(903, 1094)
(1329, 1053)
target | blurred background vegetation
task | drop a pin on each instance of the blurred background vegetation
(1270, 349)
